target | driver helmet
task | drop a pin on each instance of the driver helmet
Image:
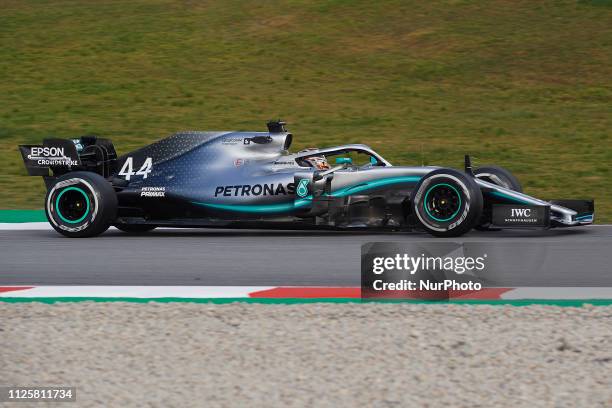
(318, 162)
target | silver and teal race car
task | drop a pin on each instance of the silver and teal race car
(233, 179)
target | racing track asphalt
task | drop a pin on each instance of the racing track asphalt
(574, 257)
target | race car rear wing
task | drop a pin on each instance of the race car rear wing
(61, 156)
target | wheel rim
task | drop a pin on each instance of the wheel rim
(442, 202)
(72, 205)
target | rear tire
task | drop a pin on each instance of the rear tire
(447, 203)
(81, 204)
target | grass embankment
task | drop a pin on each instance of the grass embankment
(524, 85)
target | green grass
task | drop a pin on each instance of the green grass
(525, 85)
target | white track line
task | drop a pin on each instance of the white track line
(25, 226)
(559, 293)
(45, 226)
(211, 292)
(137, 291)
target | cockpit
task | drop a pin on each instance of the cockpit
(352, 156)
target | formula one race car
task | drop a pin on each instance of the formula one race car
(250, 180)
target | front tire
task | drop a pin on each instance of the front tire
(500, 177)
(447, 203)
(81, 204)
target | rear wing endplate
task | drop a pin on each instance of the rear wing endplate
(52, 154)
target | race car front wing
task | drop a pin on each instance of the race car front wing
(513, 209)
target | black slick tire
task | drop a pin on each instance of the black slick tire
(81, 204)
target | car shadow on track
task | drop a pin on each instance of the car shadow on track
(162, 233)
